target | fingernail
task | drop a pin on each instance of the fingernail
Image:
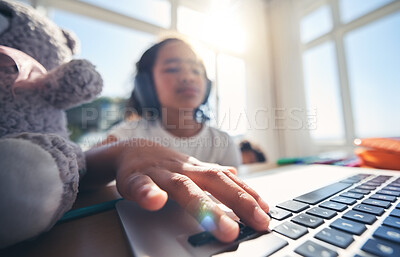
(260, 216)
(226, 225)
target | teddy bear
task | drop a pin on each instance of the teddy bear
(40, 167)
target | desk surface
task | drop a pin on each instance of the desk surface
(96, 235)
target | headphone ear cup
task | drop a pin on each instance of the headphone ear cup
(208, 90)
(144, 91)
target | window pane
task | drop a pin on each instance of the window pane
(373, 60)
(114, 52)
(190, 22)
(352, 9)
(322, 92)
(232, 94)
(116, 67)
(316, 24)
(157, 12)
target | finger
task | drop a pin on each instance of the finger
(196, 163)
(231, 169)
(216, 182)
(142, 190)
(250, 191)
(190, 197)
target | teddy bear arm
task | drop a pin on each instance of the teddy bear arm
(71, 84)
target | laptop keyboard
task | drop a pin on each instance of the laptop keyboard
(350, 207)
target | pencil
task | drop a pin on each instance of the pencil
(89, 210)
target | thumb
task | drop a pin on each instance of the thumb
(142, 190)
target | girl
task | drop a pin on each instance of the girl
(149, 174)
(171, 87)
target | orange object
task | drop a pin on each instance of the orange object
(381, 153)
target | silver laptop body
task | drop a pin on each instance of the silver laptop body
(170, 231)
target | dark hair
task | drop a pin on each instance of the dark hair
(145, 65)
(245, 146)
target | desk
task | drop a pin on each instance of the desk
(98, 235)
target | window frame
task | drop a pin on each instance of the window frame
(337, 34)
(105, 15)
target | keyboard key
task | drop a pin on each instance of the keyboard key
(366, 187)
(388, 233)
(389, 192)
(279, 214)
(321, 194)
(374, 184)
(345, 200)
(375, 202)
(398, 206)
(389, 198)
(321, 212)
(392, 188)
(293, 206)
(202, 238)
(307, 220)
(350, 181)
(392, 221)
(266, 245)
(245, 232)
(360, 191)
(291, 230)
(333, 206)
(369, 209)
(352, 195)
(206, 237)
(349, 226)
(335, 237)
(355, 179)
(360, 217)
(395, 213)
(381, 248)
(311, 249)
(382, 178)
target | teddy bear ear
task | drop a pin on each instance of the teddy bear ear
(72, 41)
(4, 23)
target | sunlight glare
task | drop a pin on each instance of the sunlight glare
(224, 30)
(220, 27)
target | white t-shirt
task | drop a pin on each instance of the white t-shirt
(209, 145)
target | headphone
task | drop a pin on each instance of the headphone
(145, 91)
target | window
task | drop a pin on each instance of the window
(323, 96)
(88, 122)
(373, 60)
(232, 116)
(116, 67)
(351, 72)
(114, 44)
(157, 12)
(316, 24)
(222, 29)
(353, 9)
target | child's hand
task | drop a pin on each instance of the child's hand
(148, 174)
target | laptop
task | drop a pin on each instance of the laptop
(316, 210)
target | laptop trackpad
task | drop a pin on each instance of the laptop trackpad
(166, 232)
